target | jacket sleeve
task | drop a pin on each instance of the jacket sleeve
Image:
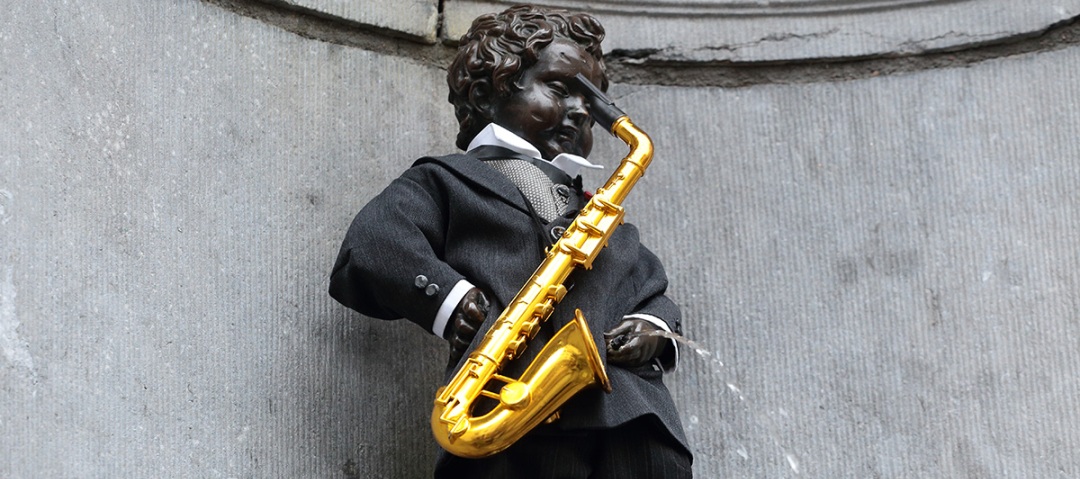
(652, 301)
(651, 283)
(390, 264)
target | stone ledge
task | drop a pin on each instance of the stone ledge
(737, 32)
(648, 66)
(793, 30)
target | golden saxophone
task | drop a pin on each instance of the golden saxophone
(569, 362)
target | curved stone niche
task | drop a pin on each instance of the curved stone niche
(785, 30)
(737, 30)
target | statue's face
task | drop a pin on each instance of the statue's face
(547, 109)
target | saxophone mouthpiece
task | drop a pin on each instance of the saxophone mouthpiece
(601, 108)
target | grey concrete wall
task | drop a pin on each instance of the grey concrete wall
(883, 269)
(886, 269)
(177, 179)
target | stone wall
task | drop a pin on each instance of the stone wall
(882, 266)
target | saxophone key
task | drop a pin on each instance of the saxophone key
(556, 292)
(530, 326)
(543, 310)
(459, 428)
(591, 229)
(576, 254)
(515, 347)
(515, 395)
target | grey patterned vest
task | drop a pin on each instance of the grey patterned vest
(549, 199)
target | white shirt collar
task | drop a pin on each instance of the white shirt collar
(495, 135)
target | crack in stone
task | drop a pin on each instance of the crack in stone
(733, 74)
(668, 67)
(783, 37)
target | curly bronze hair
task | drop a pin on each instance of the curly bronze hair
(499, 47)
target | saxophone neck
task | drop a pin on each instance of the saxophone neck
(641, 146)
(613, 119)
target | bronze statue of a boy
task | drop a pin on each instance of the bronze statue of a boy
(455, 237)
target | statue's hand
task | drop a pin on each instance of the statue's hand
(628, 345)
(465, 321)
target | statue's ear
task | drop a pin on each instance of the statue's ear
(482, 98)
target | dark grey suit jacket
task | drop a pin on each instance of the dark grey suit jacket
(453, 217)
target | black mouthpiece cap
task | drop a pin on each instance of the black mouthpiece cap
(602, 110)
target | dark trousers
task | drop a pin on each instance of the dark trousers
(640, 449)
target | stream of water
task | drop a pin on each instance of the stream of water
(759, 417)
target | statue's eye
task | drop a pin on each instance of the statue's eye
(559, 88)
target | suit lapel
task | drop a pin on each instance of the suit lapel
(474, 171)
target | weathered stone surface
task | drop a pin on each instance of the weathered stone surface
(886, 268)
(175, 181)
(414, 18)
(738, 31)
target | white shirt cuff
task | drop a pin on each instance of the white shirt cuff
(662, 325)
(447, 308)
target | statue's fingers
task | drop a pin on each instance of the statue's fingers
(473, 315)
(622, 357)
(641, 349)
(615, 356)
(482, 302)
(622, 328)
(459, 343)
(463, 327)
